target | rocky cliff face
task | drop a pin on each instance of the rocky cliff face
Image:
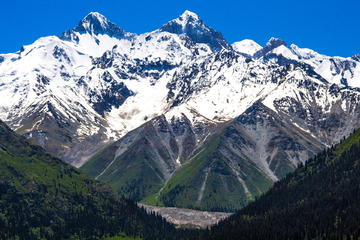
(193, 27)
(292, 115)
(187, 120)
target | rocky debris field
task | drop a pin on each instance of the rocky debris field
(183, 216)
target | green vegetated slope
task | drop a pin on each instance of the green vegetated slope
(134, 172)
(42, 197)
(209, 181)
(173, 164)
(320, 200)
(143, 180)
(206, 181)
(228, 171)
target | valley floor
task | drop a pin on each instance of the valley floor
(187, 217)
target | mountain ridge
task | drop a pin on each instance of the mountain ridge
(77, 94)
(318, 200)
(95, 23)
(190, 24)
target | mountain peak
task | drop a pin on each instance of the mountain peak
(95, 19)
(187, 17)
(274, 43)
(95, 15)
(270, 45)
(95, 23)
(248, 47)
(190, 24)
(356, 57)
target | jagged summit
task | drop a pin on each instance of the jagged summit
(95, 16)
(356, 57)
(187, 18)
(95, 23)
(190, 24)
(274, 43)
(247, 46)
(270, 45)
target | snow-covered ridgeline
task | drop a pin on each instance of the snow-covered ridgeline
(112, 81)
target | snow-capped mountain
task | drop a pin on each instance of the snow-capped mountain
(247, 47)
(344, 71)
(180, 105)
(192, 26)
(66, 75)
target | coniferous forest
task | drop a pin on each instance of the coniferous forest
(42, 197)
(320, 200)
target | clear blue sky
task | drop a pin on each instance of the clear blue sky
(328, 27)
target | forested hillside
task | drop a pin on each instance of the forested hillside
(320, 200)
(42, 197)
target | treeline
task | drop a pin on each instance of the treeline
(320, 200)
(35, 216)
(42, 197)
(29, 216)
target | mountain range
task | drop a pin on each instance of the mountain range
(178, 116)
(42, 197)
